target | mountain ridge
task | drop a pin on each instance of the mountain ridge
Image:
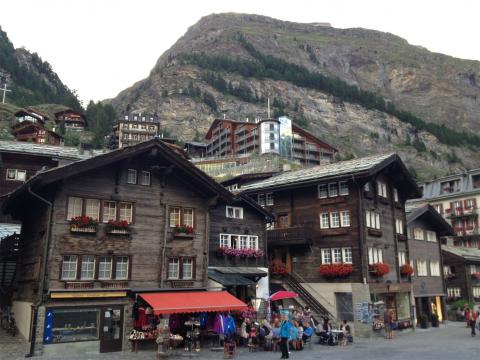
(402, 79)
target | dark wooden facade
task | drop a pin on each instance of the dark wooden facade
(149, 244)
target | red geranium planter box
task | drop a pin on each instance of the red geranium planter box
(379, 269)
(335, 270)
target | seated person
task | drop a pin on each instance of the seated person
(346, 334)
(307, 333)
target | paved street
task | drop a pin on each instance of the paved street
(451, 342)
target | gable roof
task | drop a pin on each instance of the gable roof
(362, 167)
(202, 180)
(432, 215)
(469, 254)
(298, 129)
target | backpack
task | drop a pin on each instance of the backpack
(265, 329)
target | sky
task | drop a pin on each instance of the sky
(101, 47)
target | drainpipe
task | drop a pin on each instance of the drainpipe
(361, 231)
(164, 244)
(43, 273)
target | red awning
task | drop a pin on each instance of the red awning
(191, 302)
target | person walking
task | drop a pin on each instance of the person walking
(466, 314)
(285, 330)
(387, 320)
(473, 321)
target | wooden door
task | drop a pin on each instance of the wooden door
(111, 330)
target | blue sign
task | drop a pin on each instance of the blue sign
(47, 335)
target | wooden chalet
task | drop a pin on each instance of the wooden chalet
(73, 120)
(35, 132)
(125, 223)
(425, 227)
(30, 115)
(462, 273)
(337, 236)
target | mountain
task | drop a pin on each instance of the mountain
(31, 80)
(363, 91)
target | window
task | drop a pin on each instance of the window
(334, 220)
(372, 219)
(453, 292)
(261, 199)
(187, 268)
(269, 199)
(239, 241)
(399, 226)
(418, 234)
(69, 267)
(434, 268)
(381, 189)
(145, 178)
(92, 208)
(322, 191)
(431, 236)
(243, 242)
(324, 221)
(326, 256)
(438, 208)
(125, 212)
(283, 221)
(332, 189)
(473, 269)
(224, 240)
(343, 188)
(75, 205)
(188, 216)
(375, 256)
(109, 211)
(336, 256)
(16, 175)
(347, 255)
(105, 268)
(366, 187)
(121, 267)
(345, 218)
(234, 212)
(395, 195)
(88, 267)
(253, 242)
(470, 204)
(72, 325)
(402, 258)
(132, 176)
(173, 265)
(422, 268)
(476, 291)
(175, 217)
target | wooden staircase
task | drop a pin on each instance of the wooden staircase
(292, 282)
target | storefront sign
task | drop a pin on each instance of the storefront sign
(84, 295)
(47, 335)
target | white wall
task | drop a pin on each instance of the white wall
(22, 311)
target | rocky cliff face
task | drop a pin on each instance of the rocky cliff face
(438, 88)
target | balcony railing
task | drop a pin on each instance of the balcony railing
(297, 235)
(458, 212)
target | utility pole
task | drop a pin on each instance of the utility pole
(4, 92)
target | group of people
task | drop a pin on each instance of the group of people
(327, 335)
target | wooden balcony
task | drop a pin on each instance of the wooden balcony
(297, 235)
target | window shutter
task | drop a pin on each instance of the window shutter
(61, 268)
(194, 268)
(129, 268)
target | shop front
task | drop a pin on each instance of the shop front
(395, 297)
(184, 321)
(84, 322)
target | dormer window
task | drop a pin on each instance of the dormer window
(448, 187)
(332, 189)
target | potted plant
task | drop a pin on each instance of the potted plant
(335, 270)
(406, 270)
(379, 269)
(183, 231)
(435, 321)
(83, 224)
(423, 321)
(118, 227)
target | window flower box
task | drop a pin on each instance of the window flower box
(278, 269)
(335, 270)
(450, 276)
(183, 231)
(240, 253)
(83, 224)
(379, 269)
(475, 276)
(406, 270)
(120, 227)
(401, 237)
(374, 232)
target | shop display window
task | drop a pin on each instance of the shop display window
(70, 325)
(403, 306)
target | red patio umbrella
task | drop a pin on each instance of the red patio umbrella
(279, 295)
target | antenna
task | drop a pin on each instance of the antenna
(268, 107)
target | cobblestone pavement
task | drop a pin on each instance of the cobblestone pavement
(452, 342)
